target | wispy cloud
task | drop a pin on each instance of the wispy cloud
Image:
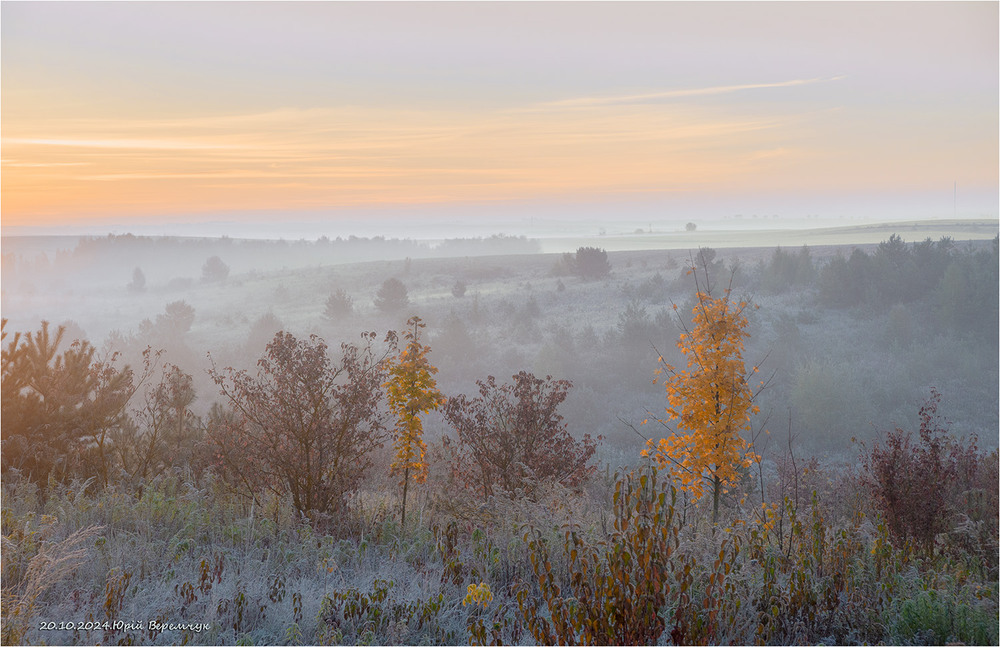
(679, 94)
(130, 144)
(349, 155)
(14, 164)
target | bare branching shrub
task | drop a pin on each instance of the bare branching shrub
(303, 426)
(511, 436)
(162, 431)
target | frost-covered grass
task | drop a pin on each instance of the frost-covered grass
(184, 552)
(122, 566)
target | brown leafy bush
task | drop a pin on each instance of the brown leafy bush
(511, 436)
(923, 487)
(302, 426)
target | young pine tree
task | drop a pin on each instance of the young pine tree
(411, 391)
(711, 402)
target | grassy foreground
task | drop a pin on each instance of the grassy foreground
(181, 562)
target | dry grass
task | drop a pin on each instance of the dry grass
(54, 562)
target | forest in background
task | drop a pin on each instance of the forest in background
(878, 360)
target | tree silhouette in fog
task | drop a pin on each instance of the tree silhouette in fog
(338, 305)
(214, 270)
(392, 296)
(138, 283)
(592, 263)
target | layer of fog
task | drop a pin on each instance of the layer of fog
(840, 372)
(611, 216)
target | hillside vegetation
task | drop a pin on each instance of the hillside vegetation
(506, 449)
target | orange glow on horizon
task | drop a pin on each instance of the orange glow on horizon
(327, 158)
(62, 170)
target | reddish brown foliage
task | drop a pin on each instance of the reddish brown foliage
(511, 436)
(924, 487)
(303, 425)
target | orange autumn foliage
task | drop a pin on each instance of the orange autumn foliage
(711, 402)
(412, 392)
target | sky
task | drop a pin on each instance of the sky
(141, 113)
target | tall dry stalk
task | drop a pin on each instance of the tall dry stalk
(54, 562)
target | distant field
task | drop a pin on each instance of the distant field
(861, 234)
(982, 229)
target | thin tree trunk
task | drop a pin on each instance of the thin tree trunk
(406, 485)
(716, 486)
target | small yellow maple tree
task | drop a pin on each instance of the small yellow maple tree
(711, 402)
(411, 391)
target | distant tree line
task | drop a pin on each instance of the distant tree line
(959, 286)
(102, 257)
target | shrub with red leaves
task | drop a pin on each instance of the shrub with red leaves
(932, 484)
(511, 437)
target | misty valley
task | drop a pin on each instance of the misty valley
(470, 441)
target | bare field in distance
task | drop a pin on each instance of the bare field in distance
(964, 229)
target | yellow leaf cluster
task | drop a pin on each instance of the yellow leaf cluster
(412, 392)
(710, 402)
(478, 594)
